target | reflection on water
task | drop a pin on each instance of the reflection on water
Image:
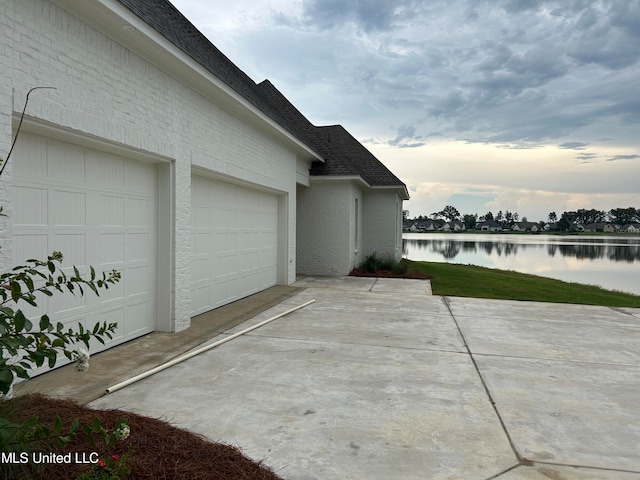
(609, 261)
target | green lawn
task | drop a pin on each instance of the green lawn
(472, 281)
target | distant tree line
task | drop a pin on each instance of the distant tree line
(618, 216)
(566, 220)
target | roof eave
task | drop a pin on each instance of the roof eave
(120, 24)
(400, 189)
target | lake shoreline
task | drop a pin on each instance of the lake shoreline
(512, 232)
(608, 260)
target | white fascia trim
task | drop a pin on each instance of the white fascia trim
(121, 25)
(356, 178)
(404, 193)
(338, 178)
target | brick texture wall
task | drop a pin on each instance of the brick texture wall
(104, 90)
(382, 224)
(326, 228)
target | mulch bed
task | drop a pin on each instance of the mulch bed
(158, 450)
(413, 275)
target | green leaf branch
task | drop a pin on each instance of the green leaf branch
(24, 346)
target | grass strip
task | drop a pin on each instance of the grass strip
(459, 280)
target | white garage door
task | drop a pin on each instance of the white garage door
(233, 242)
(97, 209)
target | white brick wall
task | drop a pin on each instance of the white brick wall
(323, 217)
(106, 91)
(326, 228)
(6, 66)
(382, 223)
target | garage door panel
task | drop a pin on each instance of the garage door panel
(138, 212)
(32, 245)
(64, 305)
(115, 315)
(138, 281)
(201, 242)
(32, 151)
(201, 218)
(138, 247)
(28, 206)
(136, 314)
(111, 209)
(69, 208)
(139, 177)
(112, 248)
(114, 294)
(92, 221)
(242, 251)
(73, 246)
(65, 162)
(104, 170)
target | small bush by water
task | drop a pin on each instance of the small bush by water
(375, 262)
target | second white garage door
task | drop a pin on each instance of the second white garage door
(234, 241)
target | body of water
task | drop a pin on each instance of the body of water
(611, 262)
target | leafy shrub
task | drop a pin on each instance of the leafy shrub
(375, 262)
(24, 346)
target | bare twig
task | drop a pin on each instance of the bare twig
(15, 139)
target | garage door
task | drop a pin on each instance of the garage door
(233, 242)
(97, 209)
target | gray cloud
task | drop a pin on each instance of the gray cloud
(586, 158)
(622, 157)
(573, 145)
(405, 136)
(519, 6)
(513, 72)
(370, 15)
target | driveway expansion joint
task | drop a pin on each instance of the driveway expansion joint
(591, 467)
(503, 425)
(555, 360)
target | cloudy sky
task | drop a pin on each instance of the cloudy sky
(530, 106)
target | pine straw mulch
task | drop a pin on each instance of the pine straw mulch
(411, 274)
(158, 450)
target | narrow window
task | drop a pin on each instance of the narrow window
(357, 233)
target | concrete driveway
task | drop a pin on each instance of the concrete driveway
(380, 380)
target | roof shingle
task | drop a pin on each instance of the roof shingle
(342, 154)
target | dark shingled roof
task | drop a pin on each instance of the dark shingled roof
(342, 153)
(175, 27)
(355, 157)
(302, 127)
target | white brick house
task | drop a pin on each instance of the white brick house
(351, 205)
(155, 155)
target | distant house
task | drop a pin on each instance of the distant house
(489, 226)
(453, 226)
(601, 227)
(525, 227)
(576, 227)
(631, 228)
(423, 226)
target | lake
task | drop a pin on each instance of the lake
(612, 262)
